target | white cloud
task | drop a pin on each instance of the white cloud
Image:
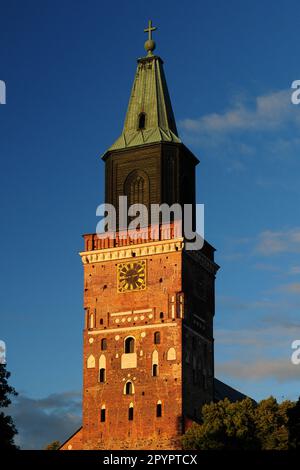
(282, 241)
(266, 243)
(270, 112)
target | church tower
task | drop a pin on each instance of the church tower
(148, 362)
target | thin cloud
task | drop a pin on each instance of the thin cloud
(266, 267)
(274, 242)
(281, 370)
(41, 421)
(294, 270)
(293, 288)
(267, 243)
(273, 308)
(263, 337)
(269, 112)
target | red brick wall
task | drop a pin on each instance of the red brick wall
(101, 298)
(74, 442)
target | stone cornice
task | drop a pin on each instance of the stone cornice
(210, 266)
(126, 252)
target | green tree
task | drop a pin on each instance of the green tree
(225, 425)
(55, 445)
(246, 425)
(271, 421)
(7, 427)
(294, 425)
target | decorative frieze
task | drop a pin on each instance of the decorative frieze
(145, 249)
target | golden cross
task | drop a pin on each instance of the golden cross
(149, 30)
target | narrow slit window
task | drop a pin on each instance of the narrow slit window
(155, 370)
(102, 375)
(158, 410)
(157, 337)
(142, 121)
(130, 413)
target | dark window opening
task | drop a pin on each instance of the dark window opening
(157, 337)
(130, 413)
(195, 378)
(102, 375)
(101, 321)
(155, 370)
(142, 121)
(205, 351)
(161, 315)
(103, 344)
(102, 415)
(129, 345)
(158, 410)
(129, 388)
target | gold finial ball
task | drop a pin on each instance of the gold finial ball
(150, 45)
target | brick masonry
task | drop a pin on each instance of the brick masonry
(101, 300)
(178, 302)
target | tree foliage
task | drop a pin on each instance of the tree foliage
(55, 445)
(7, 427)
(245, 425)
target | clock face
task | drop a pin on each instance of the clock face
(132, 276)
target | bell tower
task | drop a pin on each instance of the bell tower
(148, 362)
(148, 163)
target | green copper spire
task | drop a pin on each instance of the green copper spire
(149, 116)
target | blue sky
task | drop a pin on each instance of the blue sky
(68, 68)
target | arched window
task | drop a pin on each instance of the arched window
(142, 121)
(129, 388)
(157, 337)
(154, 364)
(102, 414)
(171, 354)
(103, 344)
(136, 188)
(158, 409)
(102, 369)
(91, 320)
(130, 412)
(129, 345)
(91, 362)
